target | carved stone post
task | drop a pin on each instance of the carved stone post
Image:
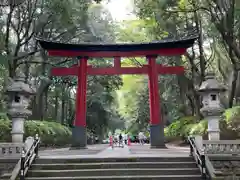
(212, 109)
(19, 93)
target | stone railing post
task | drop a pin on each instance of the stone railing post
(199, 142)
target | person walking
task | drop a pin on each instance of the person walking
(141, 137)
(125, 138)
(120, 138)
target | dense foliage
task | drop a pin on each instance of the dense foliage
(217, 48)
(188, 126)
(51, 133)
(71, 22)
(119, 102)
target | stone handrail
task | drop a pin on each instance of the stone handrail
(11, 150)
(210, 168)
(213, 150)
(15, 171)
(199, 150)
(198, 155)
(28, 145)
(223, 147)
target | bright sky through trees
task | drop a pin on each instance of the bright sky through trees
(120, 9)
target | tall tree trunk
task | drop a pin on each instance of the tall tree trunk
(230, 24)
(66, 105)
(71, 114)
(45, 113)
(196, 99)
(191, 105)
(182, 94)
(197, 104)
(41, 99)
(56, 104)
(26, 71)
(200, 46)
(63, 105)
(233, 88)
(34, 108)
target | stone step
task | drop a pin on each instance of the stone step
(130, 159)
(113, 172)
(137, 177)
(227, 173)
(108, 165)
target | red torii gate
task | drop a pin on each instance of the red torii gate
(81, 70)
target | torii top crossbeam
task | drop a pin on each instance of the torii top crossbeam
(162, 48)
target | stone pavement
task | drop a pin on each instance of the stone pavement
(66, 152)
(115, 152)
(170, 151)
(104, 151)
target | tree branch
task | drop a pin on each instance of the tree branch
(26, 55)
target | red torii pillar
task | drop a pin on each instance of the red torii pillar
(156, 124)
(79, 133)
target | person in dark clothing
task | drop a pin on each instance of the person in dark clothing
(120, 139)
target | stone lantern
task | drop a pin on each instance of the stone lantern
(19, 93)
(212, 109)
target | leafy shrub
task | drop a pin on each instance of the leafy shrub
(3, 115)
(231, 113)
(5, 130)
(185, 126)
(180, 127)
(199, 128)
(51, 133)
(232, 118)
(187, 130)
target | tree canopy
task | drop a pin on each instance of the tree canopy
(119, 102)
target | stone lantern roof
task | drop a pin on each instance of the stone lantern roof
(18, 85)
(211, 84)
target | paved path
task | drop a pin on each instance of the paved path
(170, 151)
(104, 151)
(115, 152)
(66, 152)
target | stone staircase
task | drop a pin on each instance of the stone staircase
(6, 167)
(164, 168)
(226, 167)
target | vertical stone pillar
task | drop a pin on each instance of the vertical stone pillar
(17, 129)
(79, 134)
(19, 93)
(156, 124)
(212, 109)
